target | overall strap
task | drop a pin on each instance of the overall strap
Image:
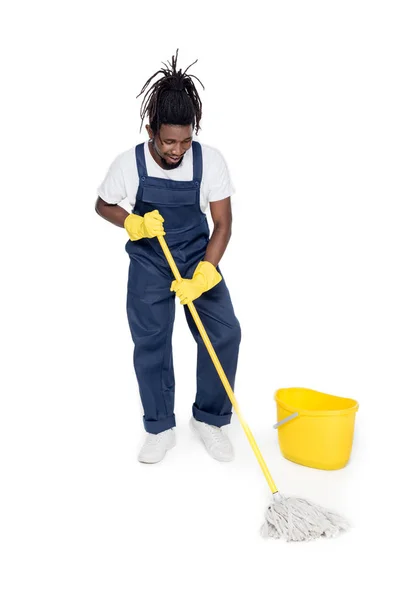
(140, 160)
(197, 161)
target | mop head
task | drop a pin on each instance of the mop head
(298, 520)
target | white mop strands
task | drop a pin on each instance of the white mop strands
(298, 520)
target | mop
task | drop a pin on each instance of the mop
(288, 518)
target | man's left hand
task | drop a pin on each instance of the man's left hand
(204, 278)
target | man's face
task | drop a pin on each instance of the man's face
(171, 143)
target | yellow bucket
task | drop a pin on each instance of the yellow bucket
(315, 429)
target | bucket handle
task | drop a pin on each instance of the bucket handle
(286, 419)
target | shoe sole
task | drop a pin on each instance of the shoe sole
(153, 462)
(193, 428)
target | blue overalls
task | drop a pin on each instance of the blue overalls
(151, 304)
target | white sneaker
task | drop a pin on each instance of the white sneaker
(156, 446)
(215, 440)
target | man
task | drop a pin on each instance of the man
(170, 181)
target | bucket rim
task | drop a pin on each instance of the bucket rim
(316, 413)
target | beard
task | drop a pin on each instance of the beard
(166, 165)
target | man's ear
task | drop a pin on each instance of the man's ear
(149, 131)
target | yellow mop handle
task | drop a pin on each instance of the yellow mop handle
(219, 369)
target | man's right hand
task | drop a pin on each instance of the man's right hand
(149, 226)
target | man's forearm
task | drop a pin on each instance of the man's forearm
(111, 212)
(215, 248)
(217, 244)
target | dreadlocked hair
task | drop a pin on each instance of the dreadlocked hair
(173, 99)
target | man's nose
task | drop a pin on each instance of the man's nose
(177, 150)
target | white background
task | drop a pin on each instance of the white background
(302, 99)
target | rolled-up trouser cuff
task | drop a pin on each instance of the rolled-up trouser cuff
(160, 425)
(205, 417)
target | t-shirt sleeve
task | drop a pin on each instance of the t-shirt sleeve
(220, 182)
(112, 189)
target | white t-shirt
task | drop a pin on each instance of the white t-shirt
(122, 179)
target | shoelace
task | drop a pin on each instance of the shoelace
(154, 439)
(216, 432)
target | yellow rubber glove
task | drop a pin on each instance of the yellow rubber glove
(204, 278)
(148, 226)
